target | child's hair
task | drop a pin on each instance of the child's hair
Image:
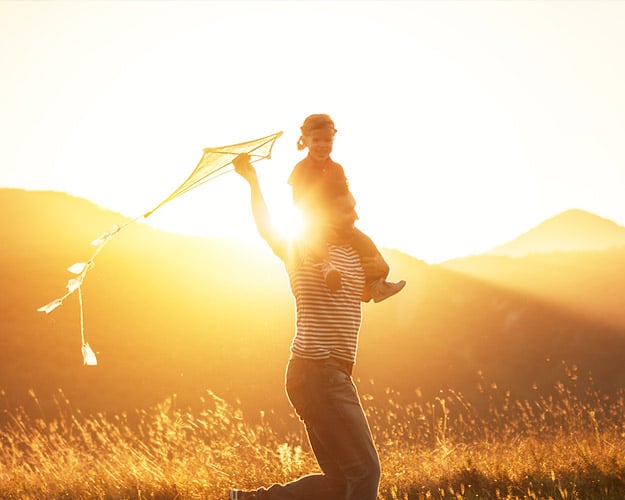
(314, 122)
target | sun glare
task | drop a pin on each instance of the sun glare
(288, 223)
(222, 209)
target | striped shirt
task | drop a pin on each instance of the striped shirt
(327, 323)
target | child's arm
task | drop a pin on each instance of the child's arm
(298, 184)
(375, 266)
(367, 249)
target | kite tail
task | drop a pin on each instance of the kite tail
(88, 356)
(80, 270)
(214, 163)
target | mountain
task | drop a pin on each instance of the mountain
(169, 314)
(571, 231)
(573, 261)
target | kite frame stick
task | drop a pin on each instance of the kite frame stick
(100, 242)
(219, 150)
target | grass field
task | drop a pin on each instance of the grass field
(566, 445)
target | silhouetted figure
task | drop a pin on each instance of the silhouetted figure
(323, 352)
(317, 183)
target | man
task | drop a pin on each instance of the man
(323, 351)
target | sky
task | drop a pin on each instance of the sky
(461, 124)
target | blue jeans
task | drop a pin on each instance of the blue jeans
(325, 398)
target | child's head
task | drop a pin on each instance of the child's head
(318, 136)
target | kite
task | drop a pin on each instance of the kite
(214, 163)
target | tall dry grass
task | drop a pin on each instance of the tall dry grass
(569, 444)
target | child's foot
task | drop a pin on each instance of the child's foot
(331, 275)
(380, 289)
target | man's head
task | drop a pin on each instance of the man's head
(342, 216)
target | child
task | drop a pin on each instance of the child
(317, 181)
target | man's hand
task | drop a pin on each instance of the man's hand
(244, 168)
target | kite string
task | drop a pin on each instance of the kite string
(82, 317)
(82, 268)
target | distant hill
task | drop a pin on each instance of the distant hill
(172, 314)
(573, 260)
(571, 231)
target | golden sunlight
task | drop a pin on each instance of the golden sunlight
(286, 218)
(288, 222)
(222, 208)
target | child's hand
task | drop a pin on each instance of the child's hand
(374, 266)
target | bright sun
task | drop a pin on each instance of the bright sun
(288, 222)
(286, 218)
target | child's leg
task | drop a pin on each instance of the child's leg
(366, 248)
(376, 286)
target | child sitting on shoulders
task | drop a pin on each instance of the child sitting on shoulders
(317, 181)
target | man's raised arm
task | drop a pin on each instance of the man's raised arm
(262, 218)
